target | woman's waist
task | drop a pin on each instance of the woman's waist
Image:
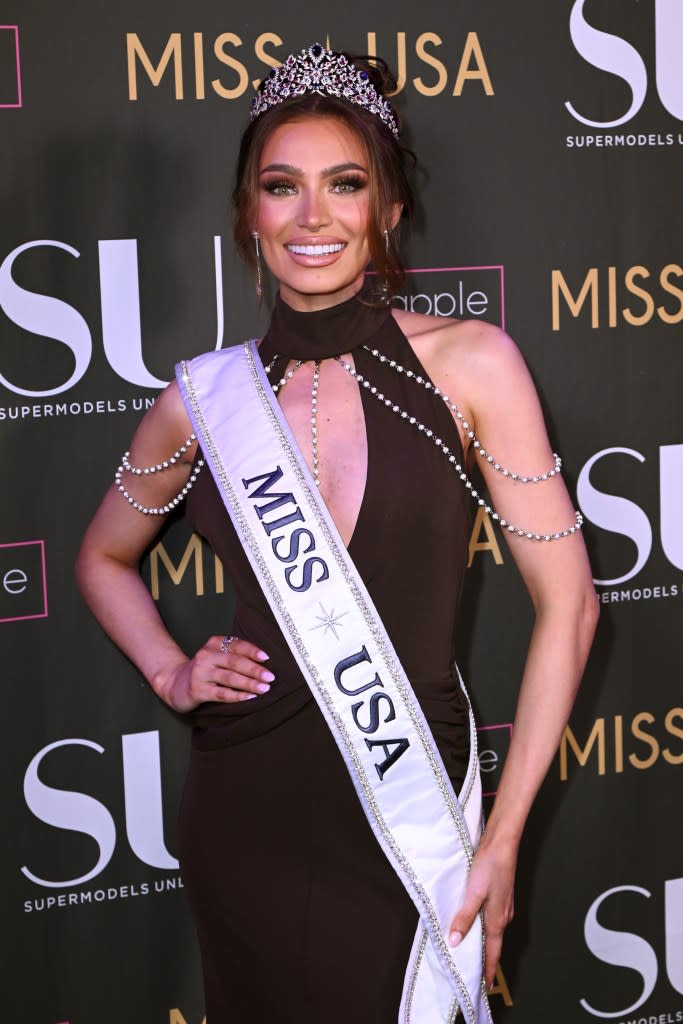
(219, 724)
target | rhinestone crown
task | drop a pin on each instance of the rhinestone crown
(322, 71)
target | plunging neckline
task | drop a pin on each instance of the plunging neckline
(369, 473)
(350, 327)
(321, 335)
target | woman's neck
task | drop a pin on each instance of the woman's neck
(325, 331)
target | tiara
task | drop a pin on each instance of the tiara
(327, 73)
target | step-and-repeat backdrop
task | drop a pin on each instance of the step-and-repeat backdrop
(551, 142)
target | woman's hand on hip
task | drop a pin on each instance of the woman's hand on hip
(490, 889)
(223, 671)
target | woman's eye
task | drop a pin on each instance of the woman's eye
(348, 185)
(279, 188)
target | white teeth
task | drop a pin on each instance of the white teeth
(316, 250)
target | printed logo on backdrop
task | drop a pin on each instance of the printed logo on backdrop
(23, 581)
(614, 744)
(611, 297)
(196, 65)
(30, 390)
(463, 292)
(632, 497)
(142, 832)
(10, 68)
(494, 743)
(655, 527)
(33, 394)
(624, 950)
(612, 113)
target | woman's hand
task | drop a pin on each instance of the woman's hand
(490, 888)
(216, 674)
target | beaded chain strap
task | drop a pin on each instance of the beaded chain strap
(160, 467)
(505, 524)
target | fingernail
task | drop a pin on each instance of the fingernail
(262, 687)
(267, 677)
(262, 656)
(455, 938)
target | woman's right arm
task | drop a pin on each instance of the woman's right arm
(107, 571)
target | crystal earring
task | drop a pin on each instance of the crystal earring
(384, 287)
(259, 273)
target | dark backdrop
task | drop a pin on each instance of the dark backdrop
(563, 223)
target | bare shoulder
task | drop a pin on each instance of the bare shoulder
(475, 353)
(164, 429)
(425, 332)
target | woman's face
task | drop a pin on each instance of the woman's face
(312, 213)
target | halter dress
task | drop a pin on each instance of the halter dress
(300, 917)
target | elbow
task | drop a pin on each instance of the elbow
(584, 611)
(589, 613)
(575, 611)
(82, 567)
(88, 566)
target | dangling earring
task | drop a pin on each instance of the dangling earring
(384, 287)
(259, 274)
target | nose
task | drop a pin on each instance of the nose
(313, 212)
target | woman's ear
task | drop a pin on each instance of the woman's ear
(396, 211)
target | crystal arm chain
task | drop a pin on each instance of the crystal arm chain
(476, 444)
(158, 468)
(504, 523)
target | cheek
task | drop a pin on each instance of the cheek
(357, 216)
(269, 217)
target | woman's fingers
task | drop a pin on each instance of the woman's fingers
(489, 890)
(242, 678)
(227, 694)
(464, 919)
(494, 928)
(237, 665)
(494, 945)
(230, 675)
(238, 646)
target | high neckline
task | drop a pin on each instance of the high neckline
(324, 333)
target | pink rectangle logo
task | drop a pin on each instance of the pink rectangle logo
(494, 743)
(466, 293)
(10, 67)
(23, 581)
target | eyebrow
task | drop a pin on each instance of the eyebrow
(297, 172)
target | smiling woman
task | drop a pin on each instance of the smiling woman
(373, 167)
(330, 832)
(314, 218)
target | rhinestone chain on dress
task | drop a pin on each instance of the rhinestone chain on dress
(413, 421)
(158, 468)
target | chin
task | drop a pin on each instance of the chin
(322, 284)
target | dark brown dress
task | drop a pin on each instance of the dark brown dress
(301, 919)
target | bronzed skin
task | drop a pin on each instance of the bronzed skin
(315, 192)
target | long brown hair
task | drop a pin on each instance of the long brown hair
(389, 163)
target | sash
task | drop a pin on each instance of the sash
(354, 674)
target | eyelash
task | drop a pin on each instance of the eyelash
(345, 185)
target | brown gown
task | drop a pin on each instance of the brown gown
(301, 919)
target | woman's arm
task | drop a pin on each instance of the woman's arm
(107, 571)
(506, 416)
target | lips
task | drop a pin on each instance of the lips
(316, 250)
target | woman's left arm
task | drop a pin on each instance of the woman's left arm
(507, 418)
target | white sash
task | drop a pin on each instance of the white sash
(347, 659)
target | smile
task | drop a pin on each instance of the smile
(316, 250)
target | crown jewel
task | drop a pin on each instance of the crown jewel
(327, 73)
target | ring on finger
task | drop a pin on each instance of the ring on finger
(225, 644)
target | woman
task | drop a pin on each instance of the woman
(299, 913)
